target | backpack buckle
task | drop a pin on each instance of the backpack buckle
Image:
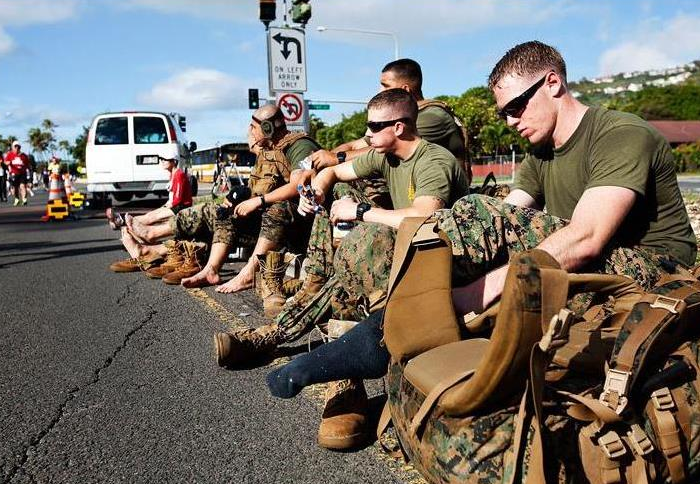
(662, 399)
(639, 441)
(615, 389)
(556, 332)
(611, 445)
(670, 304)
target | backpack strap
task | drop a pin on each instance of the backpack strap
(637, 338)
(382, 426)
(419, 314)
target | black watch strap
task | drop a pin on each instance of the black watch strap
(341, 155)
(362, 208)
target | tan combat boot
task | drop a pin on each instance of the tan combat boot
(241, 346)
(311, 286)
(136, 264)
(344, 419)
(173, 260)
(291, 287)
(272, 269)
(194, 252)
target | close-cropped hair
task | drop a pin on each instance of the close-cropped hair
(400, 100)
(527, 60)
(407, 70)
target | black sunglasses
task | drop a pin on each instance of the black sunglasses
(377, 126)
(515, 107)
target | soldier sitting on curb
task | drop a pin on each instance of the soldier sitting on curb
(422, 177)
(268, 219)
(613, 206)
(436, 122)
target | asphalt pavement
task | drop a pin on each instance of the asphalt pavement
(110, 377)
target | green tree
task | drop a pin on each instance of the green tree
(77, 150)
(315, 124)
(6, 143)
(348, 129)
(65, 146)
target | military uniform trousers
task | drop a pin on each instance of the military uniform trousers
(485, 232)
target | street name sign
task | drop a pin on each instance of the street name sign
(287, 50)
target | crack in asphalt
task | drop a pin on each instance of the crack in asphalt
(74, 392)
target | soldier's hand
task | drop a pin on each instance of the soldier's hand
(323, 158)
(247, 207)
(306, 206)
(226, 204)
(344, 210)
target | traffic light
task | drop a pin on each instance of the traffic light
(182, 122)
(253, 99)
(300, 11)
(268, 9)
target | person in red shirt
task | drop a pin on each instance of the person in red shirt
(18, 164)
(179, 197)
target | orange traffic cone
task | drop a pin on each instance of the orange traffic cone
(57, 206)
(68, 185)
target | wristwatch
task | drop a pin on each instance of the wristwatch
(341, 155)
(361, 209)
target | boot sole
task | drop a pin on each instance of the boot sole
(125, 270)
(217, 347)
(343, 443)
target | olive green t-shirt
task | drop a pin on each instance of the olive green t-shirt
(436, 125)
(299, 150)
(611, 148)
(430, 171)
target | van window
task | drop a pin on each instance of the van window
(149, 130)
(112, 131)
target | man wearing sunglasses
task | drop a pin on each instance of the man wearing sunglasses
(606, 179)
(422, 177)
(436, 122)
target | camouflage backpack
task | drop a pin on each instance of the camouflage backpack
(488, 409)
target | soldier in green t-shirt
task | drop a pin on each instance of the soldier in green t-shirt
(422, 177)
(605, 178)
(436, 122)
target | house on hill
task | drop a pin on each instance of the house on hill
(678, 132)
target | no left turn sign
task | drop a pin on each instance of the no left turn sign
(292, 106)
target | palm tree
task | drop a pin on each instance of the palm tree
(65, 146)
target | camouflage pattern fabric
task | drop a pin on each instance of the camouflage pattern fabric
(201, 223)
(486, 232)
(286, 227)
(296, 319)
(474, 449)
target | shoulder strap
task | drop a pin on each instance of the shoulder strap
(652, 317)
(289, 139)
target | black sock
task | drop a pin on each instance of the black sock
(356, 354)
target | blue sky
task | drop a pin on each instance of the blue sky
(68, 60)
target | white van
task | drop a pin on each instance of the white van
(122, 151)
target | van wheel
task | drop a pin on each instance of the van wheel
(194, 184)
(122, 196)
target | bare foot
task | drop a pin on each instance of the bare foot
(110, 218)
(243, 280)
(136, 228)
(130, 244)
(205, 277)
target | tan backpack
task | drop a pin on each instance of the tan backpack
(488, 409)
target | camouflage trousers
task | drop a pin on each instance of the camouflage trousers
(279, 223)
(282, 224)
(485, 232)
(365, 241)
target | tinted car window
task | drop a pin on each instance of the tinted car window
(112, 131)
(149, 130)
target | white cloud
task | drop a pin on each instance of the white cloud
(198, 89)
(407, 19)
(18, 13)
(655, 46)
(236, 10)
(435, 17)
